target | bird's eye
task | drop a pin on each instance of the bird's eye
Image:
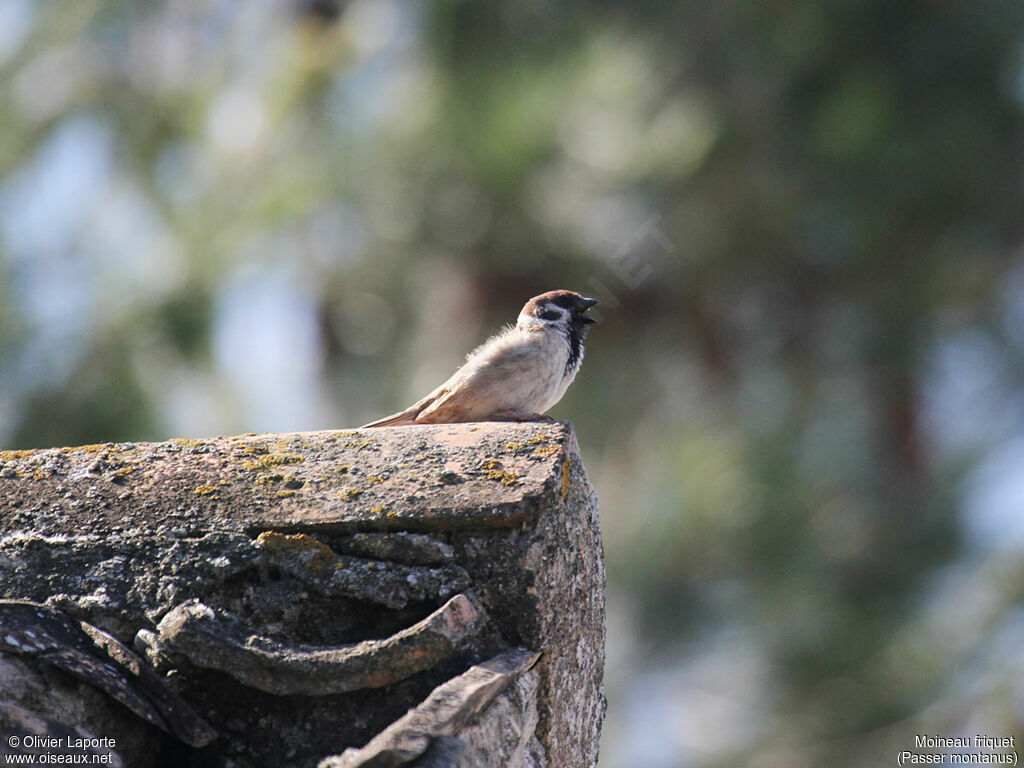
(549, 314)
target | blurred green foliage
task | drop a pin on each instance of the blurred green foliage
(803, 219)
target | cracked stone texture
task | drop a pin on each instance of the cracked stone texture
(323, 539)
(193, 631)
(454, 709)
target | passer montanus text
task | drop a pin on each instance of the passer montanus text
(514, 376)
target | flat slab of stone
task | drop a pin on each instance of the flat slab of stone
(403, 478)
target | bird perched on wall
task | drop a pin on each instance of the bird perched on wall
(514, 376)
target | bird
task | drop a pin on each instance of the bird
(516, 375)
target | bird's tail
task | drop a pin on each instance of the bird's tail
(394, 420)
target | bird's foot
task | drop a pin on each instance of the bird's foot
(519, 416)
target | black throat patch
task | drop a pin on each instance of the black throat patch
(575, 336)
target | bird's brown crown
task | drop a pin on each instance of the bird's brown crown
(566, 299)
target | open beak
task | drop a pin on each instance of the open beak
(582, 306)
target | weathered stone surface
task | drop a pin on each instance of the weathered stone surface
(443, 752)
(311, 543)
(506, 732)
(177, 717)
(52, 639)
(321, 568)
(420, 479)
(446, 711)
(413, 548)
(195, 632)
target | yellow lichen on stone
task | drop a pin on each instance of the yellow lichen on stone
(547, 451)
(16, 455)
(363, 443)
(514, 446)
(349, 492)
(264, 479)
(124, 471)
(540, 437)
(273, 460)
(189, 442)
(204, 490)
(285, 494)
(374, 479)
(254, 449)
(92, 448)
(491, 464)
(380, 509)
(503, 476)
(566, 477)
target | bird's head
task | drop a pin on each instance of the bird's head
(565, 309)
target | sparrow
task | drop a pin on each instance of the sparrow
(516, 375)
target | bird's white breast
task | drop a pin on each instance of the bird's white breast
(552, 376)
(533, 366)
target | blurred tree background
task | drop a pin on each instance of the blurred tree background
(802, 409)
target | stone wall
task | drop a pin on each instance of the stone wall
(409, 596)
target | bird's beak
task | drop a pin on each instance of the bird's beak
(582, 306)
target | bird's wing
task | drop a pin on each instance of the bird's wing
(475, 391)
(492, 381)
(408, 416)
